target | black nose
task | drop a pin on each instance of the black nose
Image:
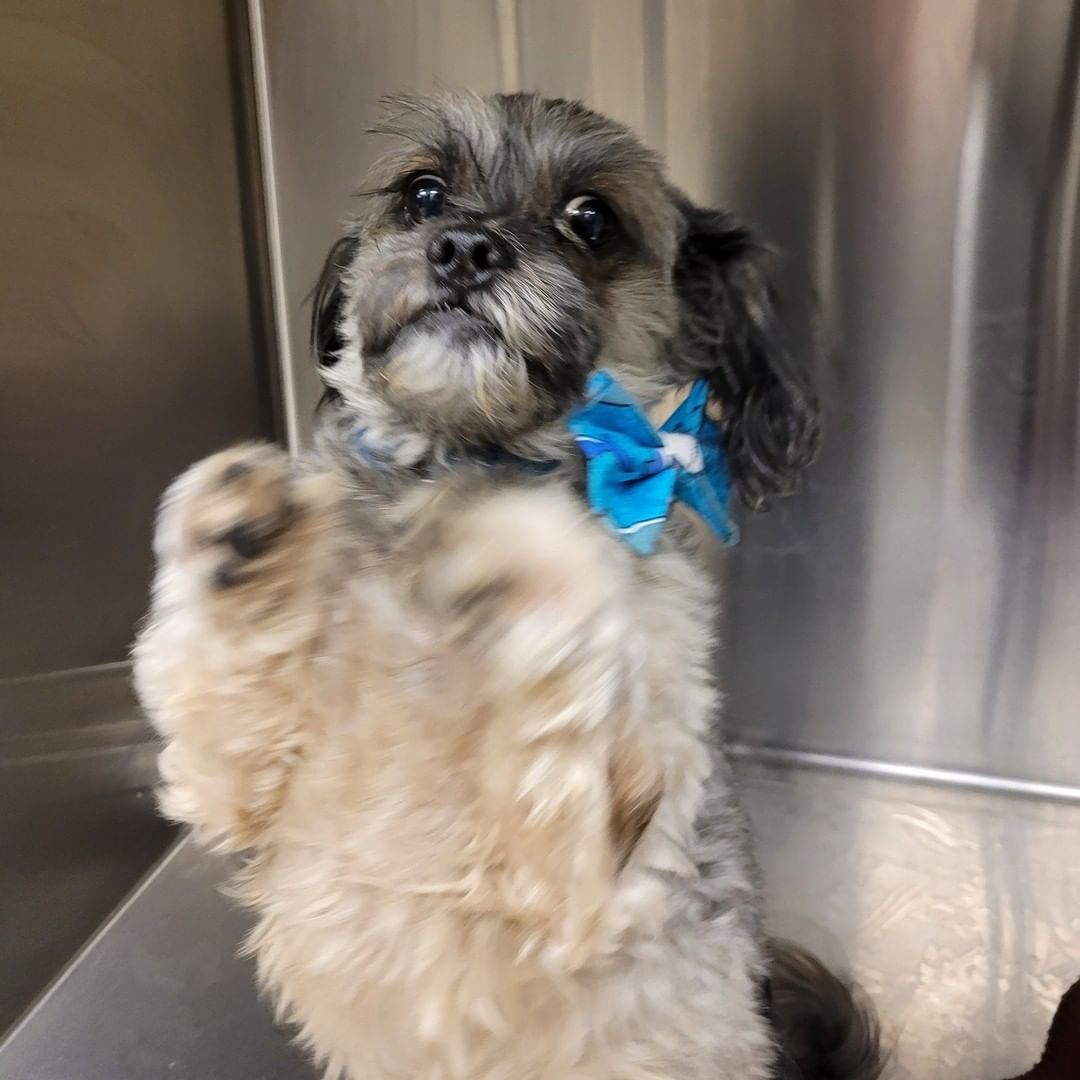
(468, 255)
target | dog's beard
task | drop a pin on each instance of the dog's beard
(450, 372)
(484, 367)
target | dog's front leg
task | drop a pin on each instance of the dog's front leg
(533, 593)
(223, 662)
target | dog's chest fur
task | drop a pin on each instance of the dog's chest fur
(442, 862)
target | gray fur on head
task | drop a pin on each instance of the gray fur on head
(674, 293)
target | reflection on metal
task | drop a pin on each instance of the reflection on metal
(264, 135)
(915, 774)
(956, 909)
(924, 594)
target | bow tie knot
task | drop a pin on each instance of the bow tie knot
(682, 450)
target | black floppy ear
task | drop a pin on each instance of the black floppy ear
(730, 333)
(327, 301)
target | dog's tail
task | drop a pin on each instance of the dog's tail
(826, 1027)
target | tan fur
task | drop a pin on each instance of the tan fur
(444, 764)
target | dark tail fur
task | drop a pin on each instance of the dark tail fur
(825, 1025)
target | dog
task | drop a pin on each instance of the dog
(461, 729)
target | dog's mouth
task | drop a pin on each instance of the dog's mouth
(453, 322)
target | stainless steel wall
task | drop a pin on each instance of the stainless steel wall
(128, 347)
(126, 325)
(916, 161)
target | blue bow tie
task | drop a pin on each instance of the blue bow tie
(633, 472)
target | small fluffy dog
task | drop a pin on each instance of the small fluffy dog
(461, 730)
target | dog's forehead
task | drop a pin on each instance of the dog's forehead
(528, 139)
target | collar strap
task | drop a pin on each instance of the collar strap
(634, 472)
(381, 455)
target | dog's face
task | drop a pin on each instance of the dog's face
(516, 243)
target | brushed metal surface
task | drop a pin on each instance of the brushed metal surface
(159, 992)
(78, 825)
(128, 326)
(924, 593)
(957, 910)
(125, 309)
(915, 163)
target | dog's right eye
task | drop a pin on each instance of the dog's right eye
(425, 197)
(590, 219)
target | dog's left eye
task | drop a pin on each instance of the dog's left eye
(590, 219)
(425, 197)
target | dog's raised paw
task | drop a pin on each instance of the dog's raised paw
(228, 515)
